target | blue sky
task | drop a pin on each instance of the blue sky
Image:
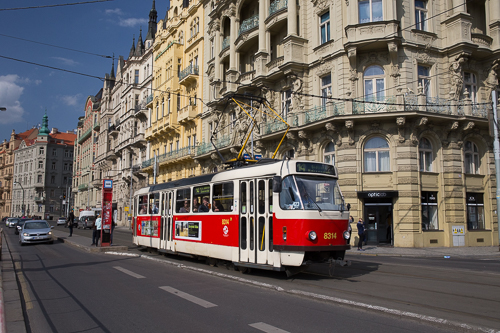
(27, 90)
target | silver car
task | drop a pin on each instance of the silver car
(35, 231)
(12, 222)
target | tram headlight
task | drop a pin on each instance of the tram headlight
(347, 235)
(312, 235)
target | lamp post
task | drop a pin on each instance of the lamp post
(22, 188)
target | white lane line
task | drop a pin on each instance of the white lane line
(126, 271)
(267, 328)
(188, 297)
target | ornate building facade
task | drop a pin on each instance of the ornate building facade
(43, 169)
(396, 94)
(7, 151)
(122, 146)
(174, 123)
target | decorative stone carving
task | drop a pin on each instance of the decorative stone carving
(491, 81)
(331, 127)
(470, 125)
(349, 124)
(320, 5)
(400, 121)
(290, 136)
(456, 74)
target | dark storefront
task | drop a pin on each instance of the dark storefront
(377, 215)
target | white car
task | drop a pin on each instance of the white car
(35, 231)
(61, 220)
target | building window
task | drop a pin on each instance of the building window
(290, 154)
(421, 15)
(286, 102)
(471, 155)
(329, 153)
(374, 83)
(326, 89)
(370, 11)
(39, 179)
(425, 153)
(53, 165)
(475, 211)
(41, 151)
(324, 27)
(162, 107)
(212, 49)
(470, 84)
(178, 102)
(54, 152)
(136, 77)
(40, 164)
(233, 120)
(168, 104)
(376, 155)
(424, 79)
(52, 179)
(429, 211)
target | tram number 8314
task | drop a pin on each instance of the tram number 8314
(330, 235)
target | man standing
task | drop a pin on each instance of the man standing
(71, 220)
(361, 234)
(97, 228)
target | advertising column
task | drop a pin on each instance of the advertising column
(107, 210)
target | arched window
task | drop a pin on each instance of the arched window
(376, 155)
(329, 154)
(425, 153)
(374, 83)
(471, 155)
(290, 153)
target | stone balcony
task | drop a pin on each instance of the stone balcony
(371, 32)
(187, 113)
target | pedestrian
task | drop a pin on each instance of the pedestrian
(349, 228)
(97, 226)
(71, 220)
(361, 233)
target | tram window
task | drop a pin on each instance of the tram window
(261, 196)
(243, 198)
(201, 199)
(251, 198)
(262, 229)
(251, 232)
(223, 196)
(270, 233)
(182, 201)
(289, 196)
(143, 204)
(243, 233)
(154, 203)
(270, 195)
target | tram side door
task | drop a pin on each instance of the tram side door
(254, 221)
(167, 217)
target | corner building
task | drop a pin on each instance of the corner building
(174, 121)
(396, 94)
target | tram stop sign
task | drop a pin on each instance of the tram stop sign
(107, 210)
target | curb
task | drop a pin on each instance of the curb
(93, 249)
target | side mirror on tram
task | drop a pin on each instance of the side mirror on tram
(277, 184)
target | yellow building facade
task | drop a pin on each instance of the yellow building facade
(174, 121)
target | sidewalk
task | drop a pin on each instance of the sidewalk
(427, 252)
(83, 242)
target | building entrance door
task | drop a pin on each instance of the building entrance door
(378, 223)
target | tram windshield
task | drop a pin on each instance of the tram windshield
(310, 193)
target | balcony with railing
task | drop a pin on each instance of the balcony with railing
(84, 136)
(276, 6)
(275, 63)
(97, 126)
(39, 199)
(176, 155)
(249, 24)
(187, 113)
(83, 187)
(113, 130)
(189, 74)
(206, 147)
(246, 77)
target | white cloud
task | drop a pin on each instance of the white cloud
(116, 11)
(66, 61)
(132, 22)
(10, 93)
(70, 100)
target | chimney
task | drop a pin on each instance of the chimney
(54, 130)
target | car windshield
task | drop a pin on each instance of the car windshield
(310, 193)
(36, 225)
(12, 220)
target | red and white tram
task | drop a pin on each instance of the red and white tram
(278, 215)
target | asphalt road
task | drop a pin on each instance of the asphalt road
(69, 290)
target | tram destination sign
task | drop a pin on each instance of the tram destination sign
(315, 168)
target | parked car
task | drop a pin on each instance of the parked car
(86, 222)
(20, 223)
(35, 231)
(12, 222)
(61, 220)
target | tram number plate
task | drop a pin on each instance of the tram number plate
(330, 235)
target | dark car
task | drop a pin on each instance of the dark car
(20, 223)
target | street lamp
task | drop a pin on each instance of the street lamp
(22, 188)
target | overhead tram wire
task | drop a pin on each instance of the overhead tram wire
(56, 5)
(56, 46)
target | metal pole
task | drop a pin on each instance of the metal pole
(496, 153)
(251, 138)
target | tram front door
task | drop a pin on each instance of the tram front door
(166, 220)
(256, 221)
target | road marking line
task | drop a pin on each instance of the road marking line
(24, 287)
(126, 271)
(188, 297)
(267, 328)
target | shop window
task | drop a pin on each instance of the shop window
(429, 211)
(376, 155)
(475, 211)
(425, 154)
(471, 156)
